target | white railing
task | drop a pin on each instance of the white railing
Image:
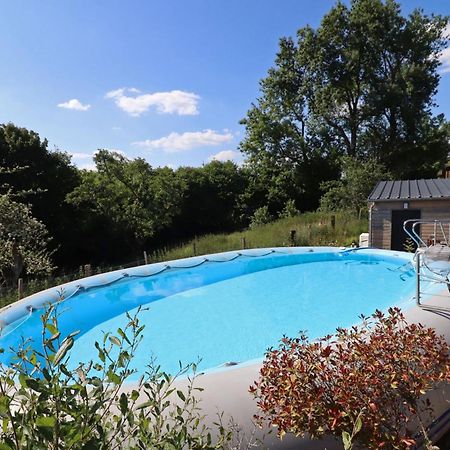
(432, 257)
(441, 232)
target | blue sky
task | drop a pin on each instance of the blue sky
(167, 80)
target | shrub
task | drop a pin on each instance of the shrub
(260, 217)
(364, 384)
(289, 210)
(44, 404)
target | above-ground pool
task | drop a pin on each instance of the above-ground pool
(228, 307)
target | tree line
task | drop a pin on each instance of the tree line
(344, 105)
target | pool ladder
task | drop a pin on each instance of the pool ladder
(432, 254)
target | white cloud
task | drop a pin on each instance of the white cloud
(225, 155)
(445, 54)
(90, 166)
(74, 104)
(76, 155)
(171, 102)
(176, 142)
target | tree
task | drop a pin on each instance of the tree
(131, 193)
(286, 159)
(23, 243)
(40, 178)
(360, 85)
(210, 200)
(351, 191)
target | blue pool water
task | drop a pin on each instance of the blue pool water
(232, 311)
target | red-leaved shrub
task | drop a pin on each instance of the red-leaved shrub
(377, 371)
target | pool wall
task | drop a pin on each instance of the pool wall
(202, 270)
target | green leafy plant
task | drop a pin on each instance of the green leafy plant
(409, 246)
(260, 217)
(23, 242)
(46, 403)
(289, 210)
(364, 384)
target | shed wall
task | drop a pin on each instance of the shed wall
(381, 218)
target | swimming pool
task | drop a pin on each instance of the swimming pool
(221, 308)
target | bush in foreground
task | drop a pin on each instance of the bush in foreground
(44, 404)
(364, 384)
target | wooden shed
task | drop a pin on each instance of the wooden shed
(393, 202)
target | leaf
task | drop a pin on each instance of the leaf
(146, 404)
(181, 395)
(46, 422)
(358, 425)
(123, 403)
(346, 440)
(66, 345)
(115, 340)
(113, 377)
(54, 336)
(4, 446)
(51, 328)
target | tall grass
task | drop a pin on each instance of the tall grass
(311, 229)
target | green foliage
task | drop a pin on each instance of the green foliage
(44, 404)
(261, 216)
(23, 243)
(311, 229)
(130, 192)
(289, 210)
(364, 384)
(33, 175)
(409, 246)
(360, 85)
(352, 190)
(210, 198)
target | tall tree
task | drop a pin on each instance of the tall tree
(360, 85)
(210, 198)
(33, 175)
(135, 196)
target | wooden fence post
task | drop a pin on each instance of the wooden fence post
(20, 288)
(333, 221)
(243, 243)
(293, 238)
(145, 257)
(87, 270)
(194, 248)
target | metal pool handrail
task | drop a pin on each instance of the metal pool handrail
(424, 250)
(415, 235)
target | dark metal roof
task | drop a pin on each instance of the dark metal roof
(411, 190)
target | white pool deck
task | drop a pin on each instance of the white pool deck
(227, 391)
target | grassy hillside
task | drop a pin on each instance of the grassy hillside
(311, 229)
